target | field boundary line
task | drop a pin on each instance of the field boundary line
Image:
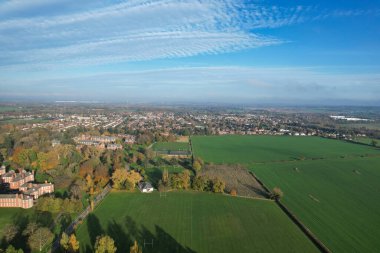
(248, 197)
(319, 244)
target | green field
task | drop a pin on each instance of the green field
(250, 149)
(193, 222)
(171, 146)
(9, 108)
(366, 140)
(338, 199)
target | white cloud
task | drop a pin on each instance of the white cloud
(136, 30)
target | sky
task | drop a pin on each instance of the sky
(204, 51)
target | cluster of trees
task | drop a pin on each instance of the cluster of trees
(36, 236)
(12, 249)
(56, 205)
(204, 183)
(182, 181)
(124, 179)
(69, 243)
(148, 137)
(103, 244)
(178, 181)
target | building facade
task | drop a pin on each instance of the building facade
(22, 183)
(16, 200)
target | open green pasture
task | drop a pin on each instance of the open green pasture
(245, 149)
(338, 199)
(171, 146)
(192, 222)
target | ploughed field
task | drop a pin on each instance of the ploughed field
(332, 186)
(245, 149)
(192, 222)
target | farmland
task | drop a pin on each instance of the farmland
(252, 149)
(193, 222)
(338, 199)
(331, 186)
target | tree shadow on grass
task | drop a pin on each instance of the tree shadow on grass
(93, 228)
(158, 242)
(166, 243)
(155, 175)
(122, 240)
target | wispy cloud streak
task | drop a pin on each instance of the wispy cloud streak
(44, 33)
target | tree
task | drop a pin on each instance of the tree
(30, 229)
(40, 238)
(165, 177)
(135, 248)
(47, 161)
(75, 191)
(12, 249)
(149, 153)
(374, 143)
(200, 183)
(218, 185)
(233, 192)
(105, 244)
(124, 179)
(197, 166)
(1, 158)
(73, 243)
(276, 193)
(64, 242)
(10, 231)
(185, 176)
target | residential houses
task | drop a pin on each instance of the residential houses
(100, 142)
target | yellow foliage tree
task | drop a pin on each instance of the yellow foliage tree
(73, 243)
(135, 248)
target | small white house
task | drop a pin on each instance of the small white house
(145, 187)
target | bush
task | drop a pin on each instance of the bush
(200, 183)
(276, 193)
(218, 185)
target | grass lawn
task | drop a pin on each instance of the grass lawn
(193, 222)
(250, 149)
(338, 199)
(171, 146)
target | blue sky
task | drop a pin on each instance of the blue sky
(228, 51)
